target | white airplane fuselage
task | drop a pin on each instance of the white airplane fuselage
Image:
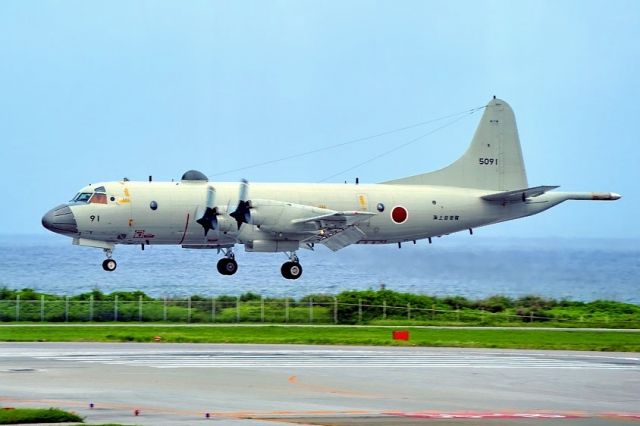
(486, 185)
(431, 211)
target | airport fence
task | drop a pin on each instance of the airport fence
(226, 310)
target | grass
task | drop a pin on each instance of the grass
(36, 415)
(516, 338)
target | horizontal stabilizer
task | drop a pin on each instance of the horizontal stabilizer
(519, 194)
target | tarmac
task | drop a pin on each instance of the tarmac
(179, 384)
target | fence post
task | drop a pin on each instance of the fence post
(458, 313)
(140, 308)
(17, 307)
(384, 309)
(213, 309)
(237, 308)
(286, 310)
(66, 309)
(335, 310)
(433, 312)
(115, 308)
(42, 307)
(409, 311)
(262, 308)
(164, 309)
(189, 309)
(360, 311)
(91, 308)
(310, 310)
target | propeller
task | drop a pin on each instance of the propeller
(241, 212)
(208, 219)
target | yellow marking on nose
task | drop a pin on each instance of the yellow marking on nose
(126, 199)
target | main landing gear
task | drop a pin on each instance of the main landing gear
(109, 264)
(291, 270)
(228, 265)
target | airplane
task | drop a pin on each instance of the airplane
(487, 185)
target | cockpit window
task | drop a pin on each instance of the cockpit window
(100, 189)
(82, 197)
(98, 198)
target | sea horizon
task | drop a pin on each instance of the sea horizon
(581, 269)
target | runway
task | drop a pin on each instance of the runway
(287, 384)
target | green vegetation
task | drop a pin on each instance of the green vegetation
(374, 307)
(523, 338)
(12, 416)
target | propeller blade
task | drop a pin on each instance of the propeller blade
(209, 216)
(244, 190)
(211, 196)
(241, 211)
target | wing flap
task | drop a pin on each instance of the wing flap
(340, 240)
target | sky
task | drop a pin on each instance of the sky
(96, 91)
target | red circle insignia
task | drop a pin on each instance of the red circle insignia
(399, 214)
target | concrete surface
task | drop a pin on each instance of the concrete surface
(175, 384)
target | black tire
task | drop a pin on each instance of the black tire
(291, 270)
(227, 266)
(109, 265)
(284, 270)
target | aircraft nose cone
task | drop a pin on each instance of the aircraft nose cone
(61, 220)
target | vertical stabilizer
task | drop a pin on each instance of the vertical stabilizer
(492, 161)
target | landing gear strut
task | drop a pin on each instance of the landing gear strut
(109, 264)
(291, 270)
(228, 265)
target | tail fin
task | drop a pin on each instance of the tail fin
(492, 161)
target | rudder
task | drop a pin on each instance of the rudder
(492, 161)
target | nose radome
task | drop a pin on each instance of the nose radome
(61, 220)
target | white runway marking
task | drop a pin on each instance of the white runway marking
(332, 359)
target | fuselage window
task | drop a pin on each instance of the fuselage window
(98, 198)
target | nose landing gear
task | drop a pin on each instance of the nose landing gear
(291, 270)
(109, 264)
(228, 265)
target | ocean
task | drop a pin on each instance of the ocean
(469, 266)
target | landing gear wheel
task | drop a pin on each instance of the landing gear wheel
(109, 265)
(227, 266)
(291, 270)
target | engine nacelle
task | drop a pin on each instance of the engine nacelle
(264, 212)
(278, 216)
(224, 223)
